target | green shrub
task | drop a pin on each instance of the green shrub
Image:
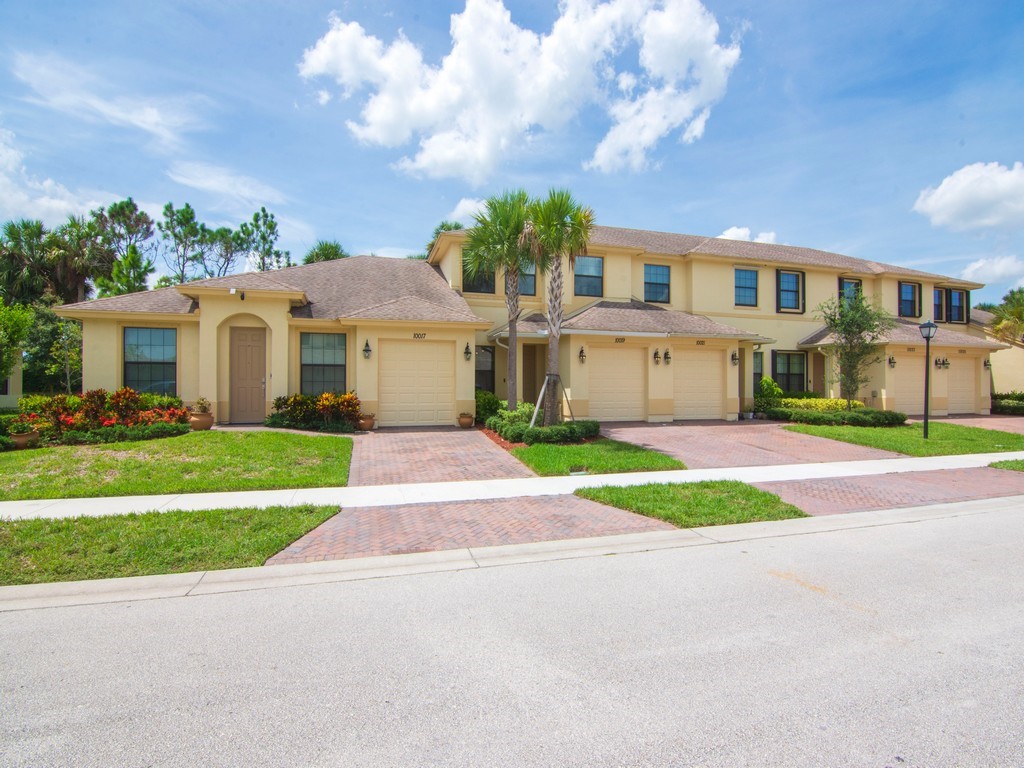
(32, 403)
(4, 421)
(802, 395)
(861, 417)
(120, 433)
(6, 444)
(328, 412)
(149, 401)
(513, 432)
(818, 403)
(487, 404)
(1019, 396)
(1009, 406)
(567, 432)
(769, 395)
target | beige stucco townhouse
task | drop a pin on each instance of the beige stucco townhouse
(658, 327)
(10, 388)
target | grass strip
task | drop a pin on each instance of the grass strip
(73, 549)
(193, 463)
(944, 439)
(693, 505)
(594, 458)
(1016, 465)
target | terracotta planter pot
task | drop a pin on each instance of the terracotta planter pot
(465, 420)
(200, 421)
(365, 423)
(23, 440)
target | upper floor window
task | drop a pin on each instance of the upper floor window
(322, 360)
(151, 360)
(939, 305)
(485, 368)
(481, 282)
(849, 288)
(746, 287)
(957, 306)
(789, 291)
(910, 300)
(528, 280)
(589, 276)
(656, 283)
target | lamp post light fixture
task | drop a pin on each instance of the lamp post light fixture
(583, 356)
(467, 352)
(657, 357)
(927, 333)
(367, 350)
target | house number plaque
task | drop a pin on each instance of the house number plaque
(419, 335)
(620, 340)
(701, 342)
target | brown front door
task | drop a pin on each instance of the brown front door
(248, 375)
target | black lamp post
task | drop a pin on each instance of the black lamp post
(927, 333)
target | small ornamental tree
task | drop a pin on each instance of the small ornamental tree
(15, 324)
(856, 327)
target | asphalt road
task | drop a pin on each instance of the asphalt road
(898, 645)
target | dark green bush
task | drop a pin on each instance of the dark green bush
(149, 401)
(567, 432)
(769, 395)
(513, 432)
(4, 421)
(801, 395)
(1008, 406)
(120, 433)
(6, 444)
(861, 417)
(487, 404)
(1018, 396)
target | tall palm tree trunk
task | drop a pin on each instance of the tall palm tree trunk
(552, 399)
(512, 304)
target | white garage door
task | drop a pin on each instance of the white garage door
(699, 384)
(910, 385)
(618, 384)
(417, 383)
(962, 386)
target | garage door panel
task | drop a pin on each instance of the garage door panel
(963, 386)
(699, 384)
(618, 384)
(910, 385)
(416, 383)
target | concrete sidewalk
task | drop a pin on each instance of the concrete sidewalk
(475, 490)
(62, 594)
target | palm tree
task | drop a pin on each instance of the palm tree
(77, 253)
(325, 250)
(557, 228)
(1009, 321)
(24, 266)
(496, 242)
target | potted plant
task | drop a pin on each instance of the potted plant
(200, 416)
(23, 433)
(465, 420)
(366, 421)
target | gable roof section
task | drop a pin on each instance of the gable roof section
(907, 332)
(358, 287)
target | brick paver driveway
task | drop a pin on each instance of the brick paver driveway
(705, 444)
(429, 455)
(405, 528)
(1000, 422)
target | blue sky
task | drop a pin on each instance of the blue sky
(884, 130)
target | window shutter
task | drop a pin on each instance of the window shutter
(918, 300)
(803, 291)
(840, 289)
(774, 366)
(947, 296)
(778, 303)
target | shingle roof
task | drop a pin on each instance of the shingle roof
(907, 332)
(981, 317)
(360, 287)
(632, 317)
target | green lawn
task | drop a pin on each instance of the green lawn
(1016, 465)
(594, 458)
(198, 461)
(72, 549)
(944, 439)
(692, 505)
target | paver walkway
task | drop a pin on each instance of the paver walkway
(429, 455)
(1000, 422)
(706, 444)
(406, 528)
(832, 496)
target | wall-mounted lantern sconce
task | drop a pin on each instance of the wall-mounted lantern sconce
(892, 361)
(367, 350)
(735, 357)
(668, 357)
(987, 364)
(233, 291)
(657, 357)
(467, 352)
(941, 362)
(945, 362)
(583, 356)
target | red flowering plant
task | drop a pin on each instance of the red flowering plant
(334, 407)
(124, 404)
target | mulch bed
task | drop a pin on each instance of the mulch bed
(495, 437)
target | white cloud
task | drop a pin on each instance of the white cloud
(23, 195)
(465, 210)
(233, 188)
(998, 269)
(72, 89)
(743, 233)
(500, 82)
(978, 196)
(323, 97)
